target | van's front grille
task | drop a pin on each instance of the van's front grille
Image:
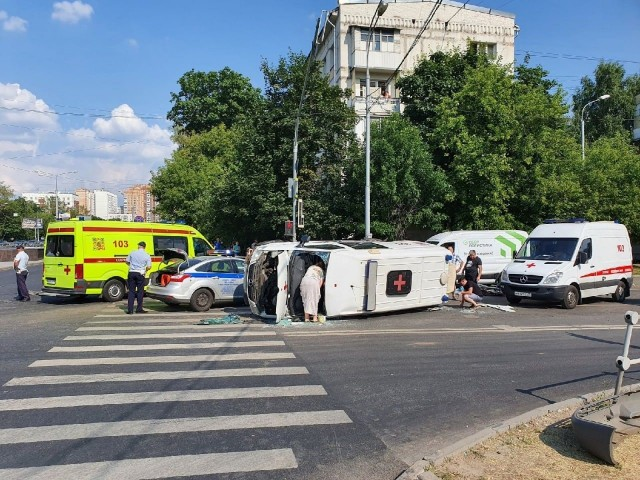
(525, 279)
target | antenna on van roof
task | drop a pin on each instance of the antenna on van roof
(304, 239)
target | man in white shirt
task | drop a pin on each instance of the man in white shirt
(139, 262)
(20, 263)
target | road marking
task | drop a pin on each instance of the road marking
(147, 376)
(51, 433)
(436, 331)
(161, 467)
(168, 346)
(159, 397)
(128, 319)
(175, 314)
(65, 362)
(171, 335)
(145, 327)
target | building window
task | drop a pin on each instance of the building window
(378, 88)
(490, 50)
(382, 40)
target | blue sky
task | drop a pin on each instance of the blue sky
(95, 62)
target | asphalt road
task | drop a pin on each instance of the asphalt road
(350, 399)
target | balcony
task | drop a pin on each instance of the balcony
(380, 106)
(387, 61)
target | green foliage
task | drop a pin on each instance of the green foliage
(13, 210)
(610, 117)
(407, 190)
(610, 178)
(209, 99)
(183, 186)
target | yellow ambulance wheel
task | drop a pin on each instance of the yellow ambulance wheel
(113, 290)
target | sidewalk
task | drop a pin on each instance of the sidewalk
(9, 265)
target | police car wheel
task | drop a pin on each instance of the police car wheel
(620, 295)
(201, 300)
(113, 290)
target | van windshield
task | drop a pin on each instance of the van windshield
(558, 249)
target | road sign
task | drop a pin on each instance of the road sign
(28, 223)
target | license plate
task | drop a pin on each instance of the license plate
(51, 281)
(522, 294)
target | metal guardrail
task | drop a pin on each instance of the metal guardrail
(623, 362)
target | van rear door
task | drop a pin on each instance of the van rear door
(59, 262)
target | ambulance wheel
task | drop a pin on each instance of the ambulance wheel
(201, 300)
(620, 295)
(113, 290)
(571, 298)
(513, 300)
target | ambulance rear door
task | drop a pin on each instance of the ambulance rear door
(60, 261)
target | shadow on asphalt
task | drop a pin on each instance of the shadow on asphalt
(531, 391)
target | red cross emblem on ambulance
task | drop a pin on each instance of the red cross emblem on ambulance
(398, 282)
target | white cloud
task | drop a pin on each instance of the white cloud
(12, 24)
(132, 42)
(71, 12)
(113, 153)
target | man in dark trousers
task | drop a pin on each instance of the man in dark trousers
(139, 262)
(470, 293)
(20, 263)
(473, 267)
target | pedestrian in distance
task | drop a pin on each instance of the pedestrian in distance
(471, 293)
(236, 248)
(454, 266)
(310, 290)
(20, 263)
(139, 262)
(473, 267)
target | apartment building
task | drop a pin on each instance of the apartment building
(342, 43)
(85, 201)
(104, 204)
(140, 203)
(66, 201)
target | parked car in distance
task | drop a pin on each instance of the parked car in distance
(199, 282)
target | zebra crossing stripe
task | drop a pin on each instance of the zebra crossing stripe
(161, 467)
(167, 346)
(117, 328)
(159, 397)
(67, 362)
(171, 335)
(147, 376)
(146, 321)
(50, 433)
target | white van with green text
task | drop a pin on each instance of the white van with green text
(494, 247)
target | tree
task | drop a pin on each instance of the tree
(606, 118)
(209, 99)
(184, 185)
(255, 194)
(610, 178)
(407, 190)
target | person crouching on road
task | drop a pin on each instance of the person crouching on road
(310, 289)
(470, 293)
(139, 262)
(20, 263)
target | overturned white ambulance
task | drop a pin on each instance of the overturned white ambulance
(361, 277)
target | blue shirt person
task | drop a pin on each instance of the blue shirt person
(139, 262)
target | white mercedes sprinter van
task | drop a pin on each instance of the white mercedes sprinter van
(571, 260)
(494, 247)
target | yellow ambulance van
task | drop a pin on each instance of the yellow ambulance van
(88, 257)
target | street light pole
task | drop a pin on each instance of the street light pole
(601, 97)
(380, 9)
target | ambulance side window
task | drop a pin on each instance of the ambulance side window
(585, 247)
(200, 246)
(60, 246)
(160, 242)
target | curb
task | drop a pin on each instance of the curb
(418, 471)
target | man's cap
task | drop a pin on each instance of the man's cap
(142, 244)
(20, 247)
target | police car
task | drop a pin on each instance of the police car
(199, 282)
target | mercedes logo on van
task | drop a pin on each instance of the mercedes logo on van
(523, 279)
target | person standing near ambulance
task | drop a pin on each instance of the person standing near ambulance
(20, 263)
(139, 262)
(473, 267)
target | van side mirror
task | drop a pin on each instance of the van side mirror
(513, 254)
(582, 258)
